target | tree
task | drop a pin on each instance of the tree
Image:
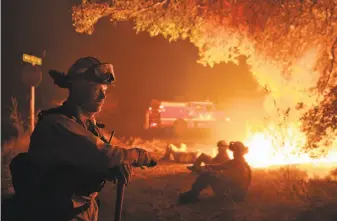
(275, 31)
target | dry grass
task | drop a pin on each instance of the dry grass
(282, 194)
(8, 151)
(16, 117)
(14, 146)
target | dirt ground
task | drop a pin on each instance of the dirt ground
(275, 195)
(283, 194)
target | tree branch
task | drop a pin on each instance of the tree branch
(332, 61)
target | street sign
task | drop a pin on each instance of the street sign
(32, 59)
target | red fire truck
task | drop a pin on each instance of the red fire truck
(181, 116)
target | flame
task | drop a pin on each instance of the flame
(181, 148)
(264, 151)
(281, 141)
(274, 147)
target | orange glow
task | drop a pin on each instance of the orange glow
(286, 63)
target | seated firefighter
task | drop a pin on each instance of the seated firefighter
(177, 151)
(228, 180)
(221, 157)
(69, 159)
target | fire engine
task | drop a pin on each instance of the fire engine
(183, 115)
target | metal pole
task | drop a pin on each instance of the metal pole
(32, 108)
(119, 200)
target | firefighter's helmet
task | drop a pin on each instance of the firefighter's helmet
(222, 143)
(88, 68)
(239, 147)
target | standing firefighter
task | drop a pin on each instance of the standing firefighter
(69, 160)
(230, 179)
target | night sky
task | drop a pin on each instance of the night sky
(145, 67)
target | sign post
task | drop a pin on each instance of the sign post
(32, 76)
(32, 108)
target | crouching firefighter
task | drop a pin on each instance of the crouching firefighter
(229, 180)
(69, 159)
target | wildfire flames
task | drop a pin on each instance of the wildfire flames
(281, 141)
(263, 151)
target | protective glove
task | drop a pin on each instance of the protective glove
(125, 171)
(153, 162)
(122, 172)
(144, 158)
